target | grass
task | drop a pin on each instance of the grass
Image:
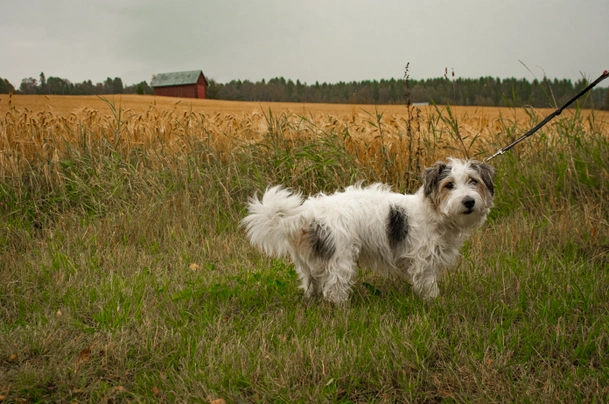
(124, 275)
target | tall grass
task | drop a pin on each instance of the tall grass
(124, 275)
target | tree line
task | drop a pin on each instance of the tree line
(483, 91)
(60, 86)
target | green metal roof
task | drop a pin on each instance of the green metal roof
(176, 78)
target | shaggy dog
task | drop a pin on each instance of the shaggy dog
(415, 236)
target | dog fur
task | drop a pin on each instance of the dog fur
(328, 237)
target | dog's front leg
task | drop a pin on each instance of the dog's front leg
(424, 281)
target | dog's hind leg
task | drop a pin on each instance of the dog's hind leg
(338, 279)
(308, 283)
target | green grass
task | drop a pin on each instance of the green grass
(130, 280)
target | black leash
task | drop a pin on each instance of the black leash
(549, 117)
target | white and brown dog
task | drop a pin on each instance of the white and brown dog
(329, 236)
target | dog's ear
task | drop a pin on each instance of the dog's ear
(431, 177)
(487, 174)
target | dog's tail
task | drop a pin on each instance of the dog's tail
(274, 220)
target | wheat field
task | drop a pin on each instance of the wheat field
(42, 128)
(138, 104)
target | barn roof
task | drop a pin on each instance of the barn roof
(176, 78)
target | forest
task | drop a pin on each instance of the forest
(483, 91)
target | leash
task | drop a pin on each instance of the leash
(549, 117)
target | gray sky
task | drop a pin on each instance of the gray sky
(309, 40)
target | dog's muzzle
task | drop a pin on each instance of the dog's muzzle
(469, 203)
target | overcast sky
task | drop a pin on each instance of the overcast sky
(309, 40)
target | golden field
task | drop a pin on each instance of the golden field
(40, 128)
(474, 119)
(139, 104)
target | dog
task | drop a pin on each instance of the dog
(414, 236)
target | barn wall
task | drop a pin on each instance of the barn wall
(201, 91)
(201, 87)
(189, 91)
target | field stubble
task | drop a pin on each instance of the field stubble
(125, 277)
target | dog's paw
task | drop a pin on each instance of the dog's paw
(427, 290)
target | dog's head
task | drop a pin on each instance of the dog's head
(461, 191)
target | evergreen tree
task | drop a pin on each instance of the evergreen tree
(117, 86)
(43, 83)
(5, 86)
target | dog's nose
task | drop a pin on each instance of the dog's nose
(469, 202)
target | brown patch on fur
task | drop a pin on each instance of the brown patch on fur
(484, 192)
(441, 194)
(434, 179)
(487, 175)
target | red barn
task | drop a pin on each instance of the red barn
(191, 84)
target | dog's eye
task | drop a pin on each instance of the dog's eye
(449, 185)
(473, 181)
